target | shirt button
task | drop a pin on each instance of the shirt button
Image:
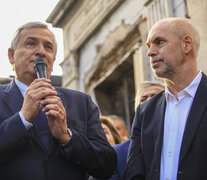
(170, 154)
(180, 172)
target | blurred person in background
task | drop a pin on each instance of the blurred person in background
(112, 135)
(120, 126)
(110, 130)
(147, 90)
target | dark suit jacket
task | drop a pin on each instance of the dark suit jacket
(147, 136)
(121, 152)
(22, 153)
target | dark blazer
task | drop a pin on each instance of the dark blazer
(147, 136)
(121, 152)
(22, 153)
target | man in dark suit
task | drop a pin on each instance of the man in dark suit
(169, 132)
(47, 133)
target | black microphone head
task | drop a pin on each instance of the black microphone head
(40, 67)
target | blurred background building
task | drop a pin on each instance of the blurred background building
(104, 46)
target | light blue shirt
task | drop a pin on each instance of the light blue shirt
(174, 125)
(23, 87)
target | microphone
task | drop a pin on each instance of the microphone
(40, 67)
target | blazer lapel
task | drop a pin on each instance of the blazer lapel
(194, 117)
(13, 97)
(159, 128)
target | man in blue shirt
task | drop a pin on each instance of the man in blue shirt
(47, 133)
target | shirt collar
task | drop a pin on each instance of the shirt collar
(190, 89)
(22, 87)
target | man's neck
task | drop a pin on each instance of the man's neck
(23, 80)
(178, 84)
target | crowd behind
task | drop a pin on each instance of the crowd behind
(116, 130)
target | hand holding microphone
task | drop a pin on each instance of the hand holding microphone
(53, 107)
(37, 91)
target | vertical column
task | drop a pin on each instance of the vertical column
(70, 71)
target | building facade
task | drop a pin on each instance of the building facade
(104, 46)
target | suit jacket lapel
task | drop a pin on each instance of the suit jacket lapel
(194, 117)
(159, 128)
(13, 97)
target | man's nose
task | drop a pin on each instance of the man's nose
(152, 51)
(40, 50)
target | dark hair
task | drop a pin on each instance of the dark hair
(109, 123)
(116, 117)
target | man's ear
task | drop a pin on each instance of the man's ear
(187, 44)
(11, 56)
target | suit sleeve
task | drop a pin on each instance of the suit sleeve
(135, 165)
(13, 135)
(90, 150)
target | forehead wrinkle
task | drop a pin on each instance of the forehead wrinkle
(32, 38)
(36, 39)
(48, 33)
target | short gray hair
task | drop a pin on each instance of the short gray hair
(28, 25)
(146, 84)
(143, 86)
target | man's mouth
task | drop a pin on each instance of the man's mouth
(155, 62)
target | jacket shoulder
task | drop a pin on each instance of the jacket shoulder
(65, 91)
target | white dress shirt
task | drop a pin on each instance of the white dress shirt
(23, 87)
(174, 125)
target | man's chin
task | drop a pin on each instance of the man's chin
(159, 74)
